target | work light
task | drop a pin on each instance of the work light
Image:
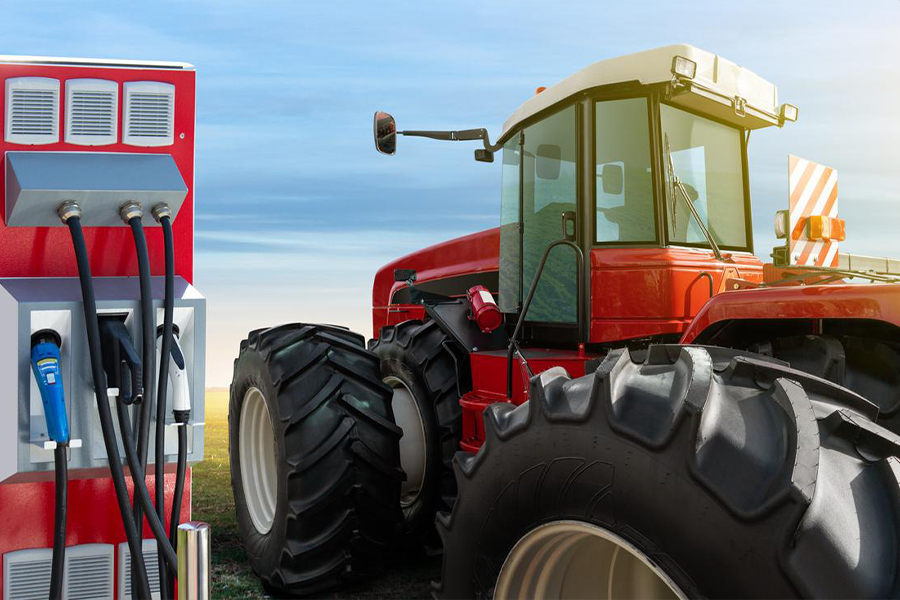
(684, 67)
(789, 112)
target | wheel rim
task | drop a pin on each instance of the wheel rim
(573, 559)
(259, 471)
(413, 451)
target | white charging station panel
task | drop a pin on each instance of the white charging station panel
(30, 304)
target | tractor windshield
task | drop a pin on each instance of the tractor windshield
(707, 159)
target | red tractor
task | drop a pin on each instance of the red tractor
(646, 411)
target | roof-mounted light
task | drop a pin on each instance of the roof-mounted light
(684, 67)
(789, 112)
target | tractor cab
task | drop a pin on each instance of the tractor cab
(641, 162)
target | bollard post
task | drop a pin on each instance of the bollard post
(193, 561)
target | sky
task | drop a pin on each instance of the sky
(295, 211)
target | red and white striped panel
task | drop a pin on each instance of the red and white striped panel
(814, 191)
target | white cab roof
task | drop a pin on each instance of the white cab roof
(717, 82)
(93, 62)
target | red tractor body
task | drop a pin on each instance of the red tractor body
(676, 287)
(655, 293)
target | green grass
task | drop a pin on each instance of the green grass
(408, 577)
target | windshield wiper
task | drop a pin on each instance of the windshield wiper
(676, 184)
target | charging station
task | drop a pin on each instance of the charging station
(96, 308)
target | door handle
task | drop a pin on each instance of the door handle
(567, 217)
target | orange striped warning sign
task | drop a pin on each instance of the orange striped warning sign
(813, 191)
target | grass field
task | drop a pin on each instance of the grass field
(231, 574)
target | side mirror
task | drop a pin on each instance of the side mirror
(385, 131)
(547, 161)
(613, 177)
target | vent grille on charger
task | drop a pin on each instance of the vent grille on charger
(88, 577)
(32, 110)
(88, 573)
(149, 113)
(26, 574)
(151, 561)
(92, 107)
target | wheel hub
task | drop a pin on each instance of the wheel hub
(259, 471)
(573, 559)
(413, 452)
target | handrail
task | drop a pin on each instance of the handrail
(513, 340)
(704, 274)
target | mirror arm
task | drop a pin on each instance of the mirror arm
(463, 135)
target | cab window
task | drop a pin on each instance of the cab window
(623, 175)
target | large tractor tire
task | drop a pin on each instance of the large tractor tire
(315, 465)
(419, 364)
(867, 366)
(686, 475)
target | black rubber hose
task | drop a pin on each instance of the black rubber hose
(148, 337)
(140, 487)
(165, 350)
(92, 325)
(179, 492)
(61, 464)
(179, 485)
(142, 422)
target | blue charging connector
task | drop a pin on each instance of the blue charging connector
(45, 364)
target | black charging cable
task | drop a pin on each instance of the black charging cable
(132, 213)
(61, 463)
(163, 215)
(70, 213)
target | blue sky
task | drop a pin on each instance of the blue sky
(295, 210)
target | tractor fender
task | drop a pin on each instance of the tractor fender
(874, 302)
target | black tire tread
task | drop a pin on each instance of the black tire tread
(685, 402)
(338, 523)
(426, 350)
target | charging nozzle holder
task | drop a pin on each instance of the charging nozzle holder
(121, 362)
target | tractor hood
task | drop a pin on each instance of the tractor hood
(718, 86)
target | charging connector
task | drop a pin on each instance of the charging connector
(45, 345)
(177, 374)
(120, 360)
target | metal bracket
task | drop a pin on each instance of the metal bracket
(51, 445)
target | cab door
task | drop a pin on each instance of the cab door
(541, 170)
